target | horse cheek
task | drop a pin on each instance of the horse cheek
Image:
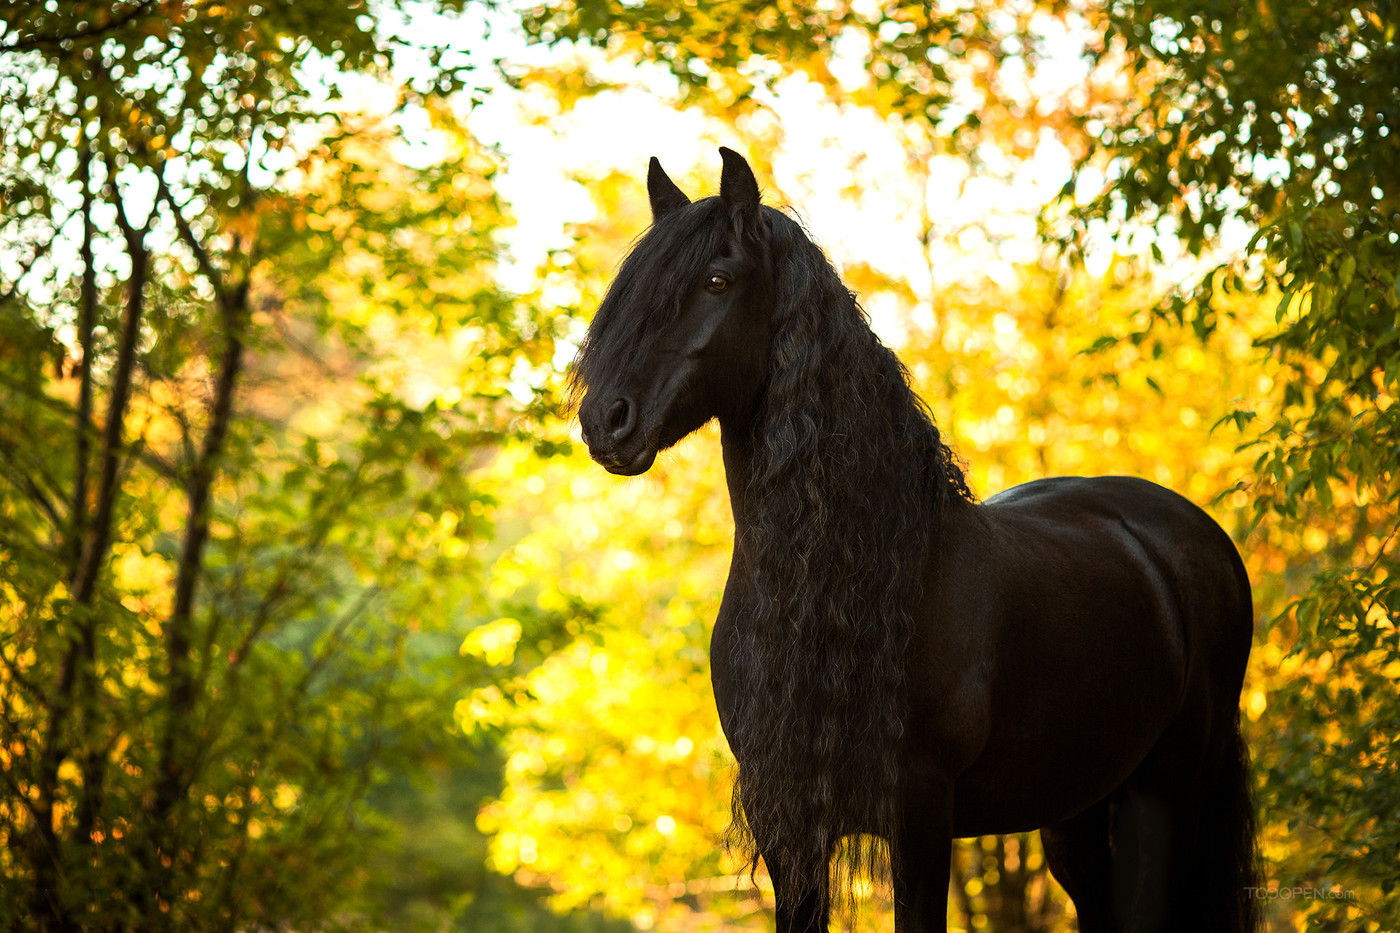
(741, 374)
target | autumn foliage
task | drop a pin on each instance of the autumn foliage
(314, 616)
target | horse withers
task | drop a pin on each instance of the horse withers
(896, 664)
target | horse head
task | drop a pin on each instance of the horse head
(683, 334)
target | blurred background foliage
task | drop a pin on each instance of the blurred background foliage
(312, 616)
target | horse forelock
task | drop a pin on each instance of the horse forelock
(647, 293)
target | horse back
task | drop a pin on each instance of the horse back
(1082, 521)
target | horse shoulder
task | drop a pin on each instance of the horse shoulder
(953, 642)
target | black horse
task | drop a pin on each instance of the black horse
(895, 664)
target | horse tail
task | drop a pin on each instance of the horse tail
(1227, 854)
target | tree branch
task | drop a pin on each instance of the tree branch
(87, 317)
(73, 674)
(116, 22)
(99, 530)
(958, 883)
(337, 635)
(201, 481)
(201, 255)
(173, 776)
(26, 483)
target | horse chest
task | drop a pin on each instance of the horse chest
(735, 675)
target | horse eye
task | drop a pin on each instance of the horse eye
(717, 283)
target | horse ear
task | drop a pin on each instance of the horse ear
(665, 196)
(737, 186)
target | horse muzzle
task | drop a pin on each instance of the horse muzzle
(610, 431)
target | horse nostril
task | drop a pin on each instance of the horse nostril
(620, 419)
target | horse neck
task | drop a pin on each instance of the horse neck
(881, 466)
(737, 445)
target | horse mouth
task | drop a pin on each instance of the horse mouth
(638, 464)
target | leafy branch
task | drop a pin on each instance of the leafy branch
(118, 19)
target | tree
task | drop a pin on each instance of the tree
(238, 539)
(1284, 116)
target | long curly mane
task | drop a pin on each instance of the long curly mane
(850, 477)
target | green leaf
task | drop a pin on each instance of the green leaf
(1323, 490)
(1347, 271)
